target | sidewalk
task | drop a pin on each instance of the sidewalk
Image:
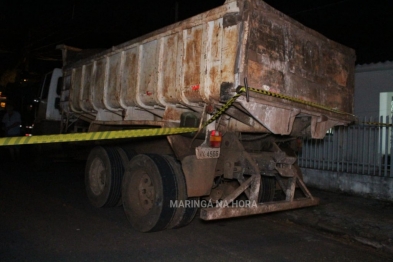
(365, 220)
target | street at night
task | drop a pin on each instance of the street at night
(45, 216)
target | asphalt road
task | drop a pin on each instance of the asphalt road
(45, 216)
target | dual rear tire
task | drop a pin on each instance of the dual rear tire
(153, 188)
(148, 185)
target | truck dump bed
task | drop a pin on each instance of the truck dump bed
(200, 61)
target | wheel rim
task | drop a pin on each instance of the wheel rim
(146, 193)
(97, 177)
(143, 194)
(148, 187)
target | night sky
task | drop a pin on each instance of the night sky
(30, 30)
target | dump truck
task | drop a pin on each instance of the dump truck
(250, 81)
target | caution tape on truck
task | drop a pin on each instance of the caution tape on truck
(105, 135)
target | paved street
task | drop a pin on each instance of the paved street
(45, 216)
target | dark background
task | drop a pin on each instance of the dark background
(30, 30)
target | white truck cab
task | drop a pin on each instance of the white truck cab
(48, 115)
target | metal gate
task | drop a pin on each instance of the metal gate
(364, 148)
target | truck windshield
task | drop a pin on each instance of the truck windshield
(45, 86)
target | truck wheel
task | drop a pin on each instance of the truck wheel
(103, 177)
(188, 215)
(149, 186)
(185, 213)
(267, 189)
(126, 154)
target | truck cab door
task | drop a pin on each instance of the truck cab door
(49, 97)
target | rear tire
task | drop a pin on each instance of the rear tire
(184, 214)
(151, 185)
(126, 154)
(103, 176)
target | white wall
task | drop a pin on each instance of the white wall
(370, 80)
(363, 185)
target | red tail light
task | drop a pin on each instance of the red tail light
(215, 138)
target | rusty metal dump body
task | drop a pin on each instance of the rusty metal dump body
(153, 79)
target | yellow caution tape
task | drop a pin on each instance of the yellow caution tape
(242, 89)
(27, 140)
(8, 141)
(222, 109)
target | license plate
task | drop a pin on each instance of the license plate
(207, 152)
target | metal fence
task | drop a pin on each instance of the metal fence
(365, 148)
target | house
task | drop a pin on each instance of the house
(370, 81)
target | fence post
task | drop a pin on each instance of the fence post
(391, 147)
(380, 128)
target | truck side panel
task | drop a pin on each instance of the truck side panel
(285, 57)
(181, 65)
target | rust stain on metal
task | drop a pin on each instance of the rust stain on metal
(169, 68)
(129, 77)
(215, 76)
(76, 87)
(267, 36)
(229, 47)
(335, 67)
(172, 113)
(86, 91)
(266, 78)
(113, 87)
(192, 63)
(213, 58)
(148, 73)
(98, 83)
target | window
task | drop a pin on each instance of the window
(45, 87)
